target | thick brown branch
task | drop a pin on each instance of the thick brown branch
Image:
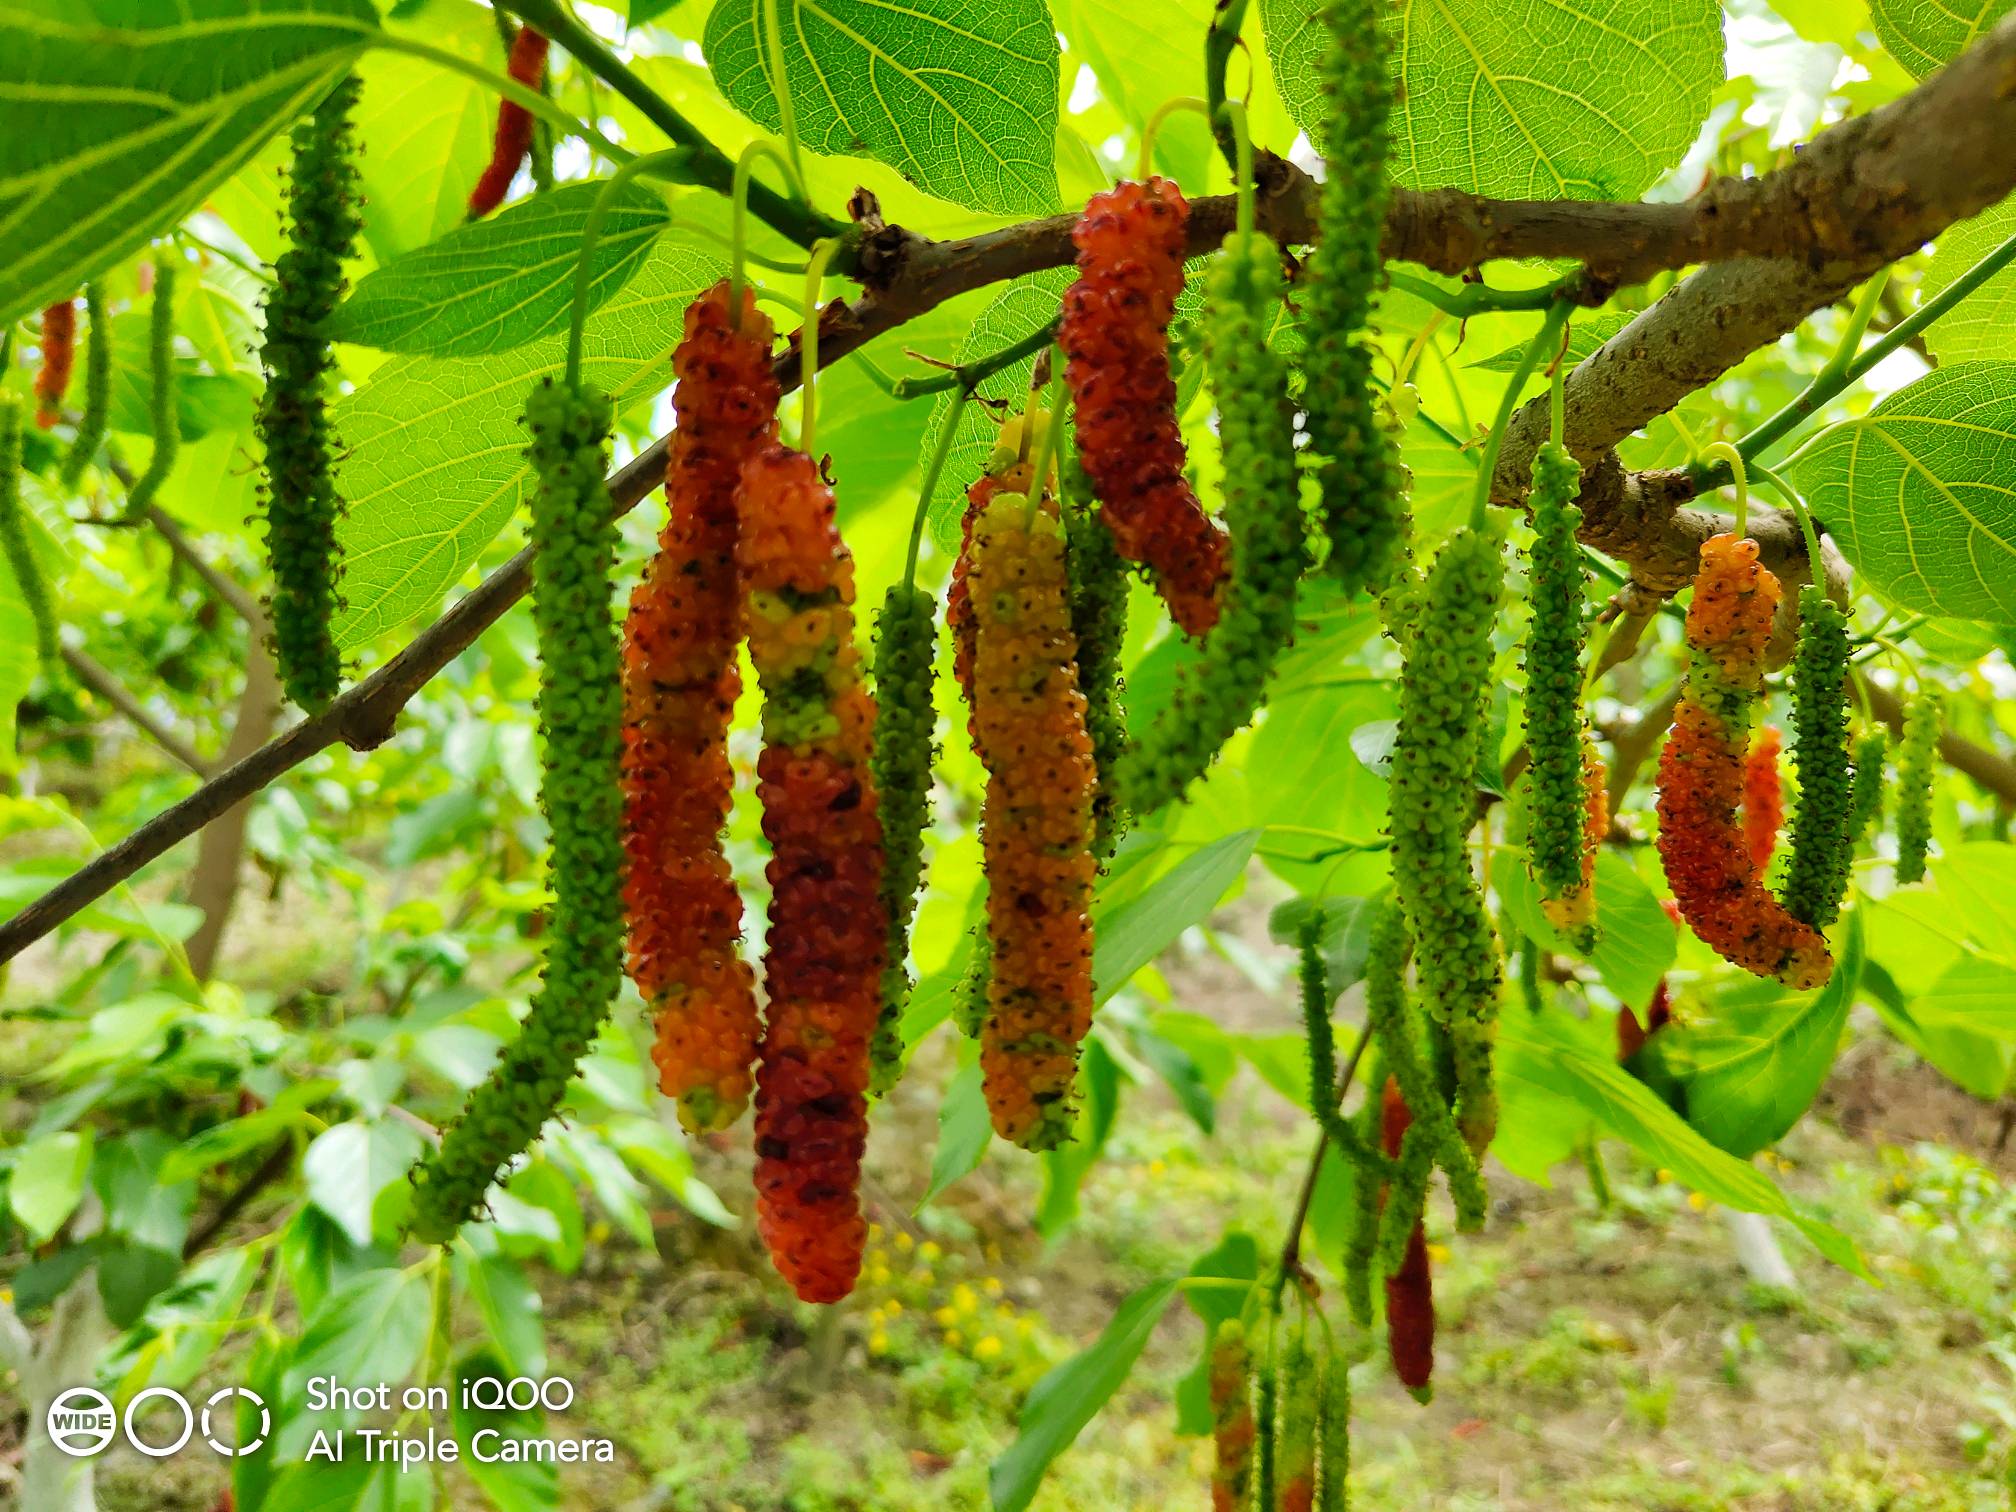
(1862, 195)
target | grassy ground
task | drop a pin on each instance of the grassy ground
(1603, 1357)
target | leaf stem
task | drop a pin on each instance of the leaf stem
(539, 104)
(789, 217)
(1547, 336)
(970, 375)
(933, 470)
(1482, 299)
(591, 233)
(1837, 375)
(1800, 512)
(1738, 479)
(1144, 162)
(738, 243)
(1221, 40)
(780, 86)
(808, 337)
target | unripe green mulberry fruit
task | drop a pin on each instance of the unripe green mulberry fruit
(906, 638)
(1390, 1014)
(1263, 512)
(97, 416)
(1432, 806)
(1872, 754)
(1363, 508)
(1916, 757)
(1556, 828)
(1335, 1467)
(581, 725)
(1298, 1416)
(14, 533)
(1823, 846)
(301, 500)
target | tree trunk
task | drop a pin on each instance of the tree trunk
(52, 1481)
(220, 855)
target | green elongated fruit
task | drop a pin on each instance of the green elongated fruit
(1916, 758)
(1391, 1017)
(1263, 513)
(1298, 1419)
(1335, 1448)
(1872, 752)
(14, 532)
(1099, 621)
(1556, 634)
(1431, 807)
(1823, 846)
(323, 223)
(97, 416)
(1323, 1094)
(1363, 509)
(162, 411)
(581, 723)
(1361, 1230)
(906, 637)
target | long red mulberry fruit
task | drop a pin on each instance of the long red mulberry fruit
(59, 352)
(1232, 1426)
(680, 681)
(514, 125)
(1701, 841)
(1763, 797)
(1410, 1291)
(580, 790)
(824, 955)
(1115, 331)
(1037, 830)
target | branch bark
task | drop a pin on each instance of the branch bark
(1866, 192)
(99, 679)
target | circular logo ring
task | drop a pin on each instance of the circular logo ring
(133, 1416)
(76, 1402)
(265, 1421)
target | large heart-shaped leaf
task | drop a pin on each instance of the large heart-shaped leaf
(1563, 99)
(1755, 1072)
(435, 457)
(118, 116)
(1552, 1058)
(1920, 493)
(503, 281)
(960, 99)
(1983, 325)
(1924, 34)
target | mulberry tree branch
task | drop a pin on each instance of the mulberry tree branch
(1864, 193)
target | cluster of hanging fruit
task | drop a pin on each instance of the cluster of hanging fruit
(635, 718)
